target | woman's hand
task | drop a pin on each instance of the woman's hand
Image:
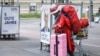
(54, 26)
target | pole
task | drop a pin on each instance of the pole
(1, 2)
(42, 1)
(67, 1)
(91, 11)
(13, 2)
(18, 2)
(60, 1)
(81, 8)
(41, 45)
(52, 1)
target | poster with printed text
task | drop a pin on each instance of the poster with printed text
(10, 20)
(45, 24)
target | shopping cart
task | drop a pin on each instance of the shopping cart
(83, 34)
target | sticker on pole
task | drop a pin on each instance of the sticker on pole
(10, 20)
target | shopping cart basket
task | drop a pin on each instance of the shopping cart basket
(83, 34)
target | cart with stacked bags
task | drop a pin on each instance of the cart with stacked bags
(82, 35)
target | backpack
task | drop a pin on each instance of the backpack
(70, 12)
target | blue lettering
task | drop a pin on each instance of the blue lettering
(10, 22)
(8, 18)
(13, 9)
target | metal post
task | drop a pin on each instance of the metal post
(9, 2)
(1, 2)
(52, 1)
(91, 11)
(81, 8)
(42, 1)
(41, 45)
(18, 2)
(67, 1)
(13, 2)
(60, 1)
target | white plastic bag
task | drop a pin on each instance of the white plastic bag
(96, 19)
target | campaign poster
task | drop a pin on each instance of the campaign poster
(10, 20)
(45, 24)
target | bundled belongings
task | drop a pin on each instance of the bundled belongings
(70, 12)
(82, 34)
(84, 22)
(84, 31)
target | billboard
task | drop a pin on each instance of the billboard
(10, 20)
(45, 24)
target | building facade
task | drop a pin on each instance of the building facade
(27, 6)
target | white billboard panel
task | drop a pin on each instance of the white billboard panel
(10, 20)
(45, 24)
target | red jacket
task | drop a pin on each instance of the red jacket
(64, 25)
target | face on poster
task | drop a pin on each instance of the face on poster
(45, 24)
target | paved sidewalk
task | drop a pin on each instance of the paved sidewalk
(93, 30)
(29, 42)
